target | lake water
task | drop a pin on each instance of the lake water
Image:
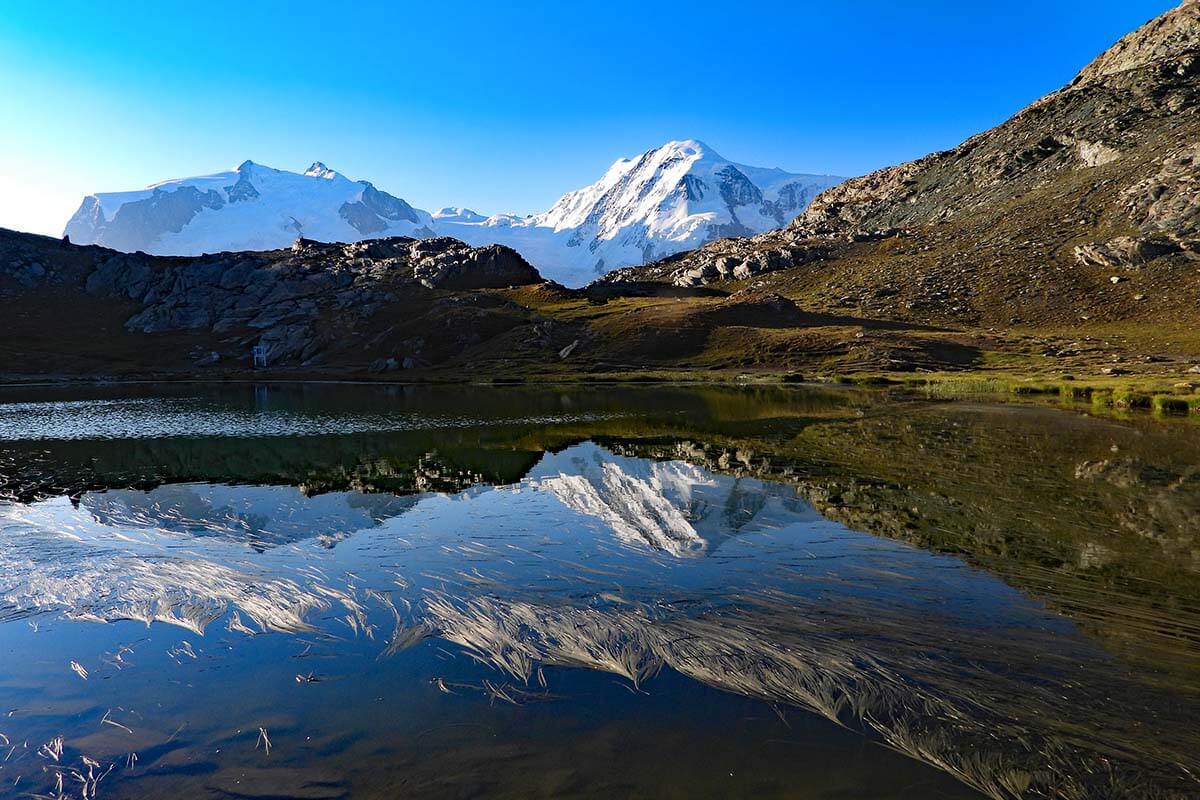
(377, 592)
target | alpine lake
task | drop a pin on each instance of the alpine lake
(365, 591)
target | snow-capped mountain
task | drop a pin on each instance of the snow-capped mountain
(673, 198)
(251, 207)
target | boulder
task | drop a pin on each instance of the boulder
(1126, 251)
(449, 264)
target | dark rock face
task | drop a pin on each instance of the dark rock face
(368, 215)
(164, 211)
(736, 189)
(694, 188)
(361, 218)
(86, 221)
(793, 198)
(243, 190)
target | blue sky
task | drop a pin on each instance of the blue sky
(504, 106)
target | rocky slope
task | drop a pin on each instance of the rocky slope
(672, 198)
(1084, 207)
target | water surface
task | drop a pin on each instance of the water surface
(339, 591)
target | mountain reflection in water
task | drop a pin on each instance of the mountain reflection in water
(413, 632)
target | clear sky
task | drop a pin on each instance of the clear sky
(502, 106)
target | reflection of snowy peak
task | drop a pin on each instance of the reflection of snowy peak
(673, 198)
(251, 207)
(670, 506)
(258, 515)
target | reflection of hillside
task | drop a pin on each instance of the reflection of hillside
(935, 693)
(397, 463)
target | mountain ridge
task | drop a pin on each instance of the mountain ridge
(670, 198)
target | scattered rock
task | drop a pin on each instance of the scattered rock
(715, 263)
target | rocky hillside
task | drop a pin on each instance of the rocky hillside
(1084, 208)
(411, 303)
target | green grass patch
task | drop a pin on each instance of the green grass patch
(950, 388)
(1127, 398)
(1170, 404)
(1033, 389)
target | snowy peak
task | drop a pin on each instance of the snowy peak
(319, 170)
(251, 207)
(676, 188)
(671, 198)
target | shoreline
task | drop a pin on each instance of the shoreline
(1161, 396)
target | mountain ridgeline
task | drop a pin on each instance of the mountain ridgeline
(1063, 241)
(671, 198)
